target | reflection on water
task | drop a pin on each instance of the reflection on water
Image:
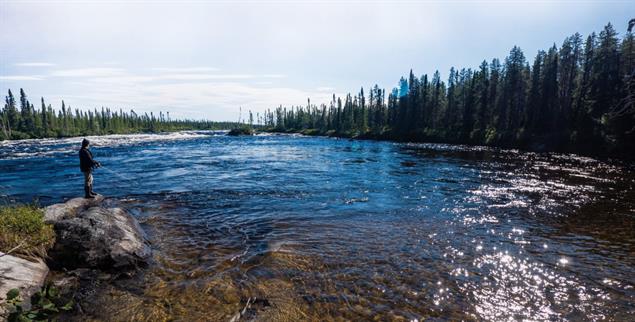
(288, 228)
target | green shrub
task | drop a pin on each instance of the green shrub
(310, 132)
(46, 304)
(491, 136)
(241, 131)
(23, 231)
(16, 135)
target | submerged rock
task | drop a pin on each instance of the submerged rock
(17, 273)
(91, 235)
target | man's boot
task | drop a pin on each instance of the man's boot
(92, 193)
(87, 194)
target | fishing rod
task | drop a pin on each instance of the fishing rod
(127, 179)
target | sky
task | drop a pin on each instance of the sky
(208, 59)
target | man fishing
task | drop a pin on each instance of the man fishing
(87, 164)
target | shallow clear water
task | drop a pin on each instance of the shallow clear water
(329, 229)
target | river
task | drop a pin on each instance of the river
(314, 228)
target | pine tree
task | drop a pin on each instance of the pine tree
(581, 94)
(44, 120)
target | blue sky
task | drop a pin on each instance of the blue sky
(204, 59)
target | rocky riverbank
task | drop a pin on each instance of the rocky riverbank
(95, 240)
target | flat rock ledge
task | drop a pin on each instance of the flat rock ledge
(21, 274)
(70, 208)
(90, 234)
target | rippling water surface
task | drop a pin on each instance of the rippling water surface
(289, 228)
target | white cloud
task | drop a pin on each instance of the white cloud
(274, 76)
(215, 100)
(89, 72)
(34, 64)
(105, 54)
(121, 75)
(21, 77)
(129, 78)
(204, 76)
(185, 69)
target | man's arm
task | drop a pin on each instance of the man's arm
(95, 164)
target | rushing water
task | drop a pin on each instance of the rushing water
(289, 228)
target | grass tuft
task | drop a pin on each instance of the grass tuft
(23, 231)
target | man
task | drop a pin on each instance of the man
(87, 164)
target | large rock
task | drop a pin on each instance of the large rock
(70, 208)
(21, 274)
(92, 235)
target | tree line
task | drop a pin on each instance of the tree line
(578, 97)
(27, 121)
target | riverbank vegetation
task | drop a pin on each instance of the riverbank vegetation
(31, 122)
(45, 305)
(241, 131)
(579, 97)
(23, 231)
(91, 243)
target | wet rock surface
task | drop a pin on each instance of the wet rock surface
(18, 273)
(70, 208)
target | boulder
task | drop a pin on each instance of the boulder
(91, 235)
(70, 208)
(17, 273)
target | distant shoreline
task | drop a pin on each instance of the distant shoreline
(385, 136)
(388, 137)
(107, 134)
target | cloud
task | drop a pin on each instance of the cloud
(120, 75)
(204, 76)
(217, 100)
(89, 72)
(21, 77)
(214, 76)
(325, 89)
(129, 78)
(184, 91)
(274, 76)
(184, 69)
(34, 64)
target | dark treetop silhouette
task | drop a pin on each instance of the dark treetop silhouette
(576, 98)
(30, 122)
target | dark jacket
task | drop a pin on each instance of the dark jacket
(86, 162)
